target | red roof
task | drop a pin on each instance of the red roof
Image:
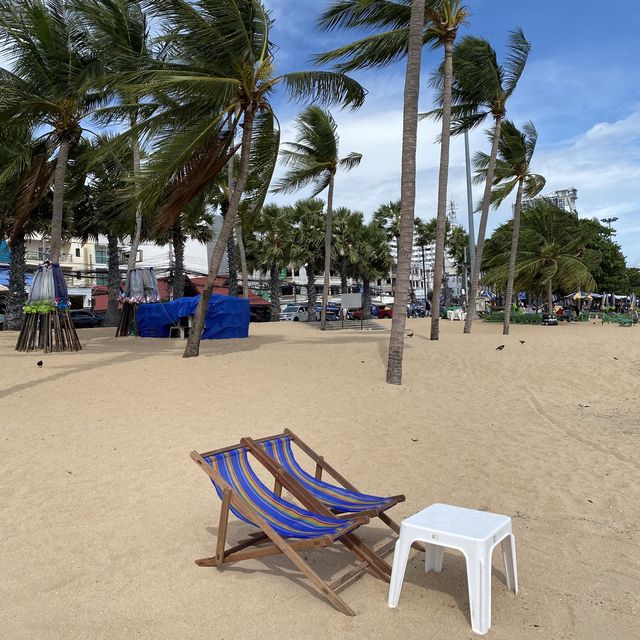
(100, 292)
(221, 287)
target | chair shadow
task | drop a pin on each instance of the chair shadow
(328, 562)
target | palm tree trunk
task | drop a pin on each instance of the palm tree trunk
(550, 296)
(327, 257)
(512, 259)
(58, 202)
(112, 317)
(311, 292)
(407, 191)
(274, 292)
(135, 240)
(17, 296)
(243, 260)
(366, 299)
(193, 344)
(178, 241)
(343, 275)
(443, 183)
(486, 202)
(231, 254)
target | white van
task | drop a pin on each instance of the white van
(295, 312)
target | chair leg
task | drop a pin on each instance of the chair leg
(400, 559)
(508, 547)
(433, 558)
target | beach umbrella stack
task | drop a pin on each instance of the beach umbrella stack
(47, 324)
(141, 288)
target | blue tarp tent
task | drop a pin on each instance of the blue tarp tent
(227, 317)
(4, 278)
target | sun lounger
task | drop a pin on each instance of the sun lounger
(340, 499)
(288, 527)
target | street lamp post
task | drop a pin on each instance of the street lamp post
(608, 221)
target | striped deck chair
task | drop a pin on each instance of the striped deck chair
(288, 527)
(343, 499)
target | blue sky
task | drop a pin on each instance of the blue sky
(581, 89)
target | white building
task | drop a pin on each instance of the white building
(563, 199)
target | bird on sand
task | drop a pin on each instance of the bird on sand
(500, 348)
(522, 341)
(39, 363)
(410, 335)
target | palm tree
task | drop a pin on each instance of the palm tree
(445, 19)
(309, 232)
(481, 88)
(271, 247)
(25, 204)
(372, 260)
(46, 46)
(314, 159)
(553, 252)
(222, 78)
(387, 216)
(347, 225)
(515, 151)
(407, 191)
(119, 33)
(194, 223)
(102, 212)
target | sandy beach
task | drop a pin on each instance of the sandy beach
(103, 512)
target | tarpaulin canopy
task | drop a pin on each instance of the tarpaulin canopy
(4, 277)
(227, 317)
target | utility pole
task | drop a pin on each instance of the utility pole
(472, 234)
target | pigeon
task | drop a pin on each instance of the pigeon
(39, 363)
(500, 348)
(522, 341)
(615, 358)
(410, 335)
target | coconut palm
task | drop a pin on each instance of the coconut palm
(119, 34)
(271, 247)
(314, 159)
(446, 20)
(221, 80)
(481, 88)
(46, 47)
(347, 225)
(25, 204)
(553, 252)
(515, 151)
(407, 190)
(389, 18)
(102, 212)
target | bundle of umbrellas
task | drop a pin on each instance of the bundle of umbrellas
(142, 286)
(48, 290)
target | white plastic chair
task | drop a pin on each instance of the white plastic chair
(476, 534)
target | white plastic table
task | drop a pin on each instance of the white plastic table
(476, 534)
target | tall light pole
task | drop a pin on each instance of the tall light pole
(608, 221)
(471, 304)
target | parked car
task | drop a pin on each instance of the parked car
(384, 311)
(333, 312)
(295, 312)
(83, 319)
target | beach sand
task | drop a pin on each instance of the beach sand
(102, 512)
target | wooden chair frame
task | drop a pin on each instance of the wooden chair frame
(367, 559)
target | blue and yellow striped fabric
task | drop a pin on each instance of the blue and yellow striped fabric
(289, 520)
(336, 498)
